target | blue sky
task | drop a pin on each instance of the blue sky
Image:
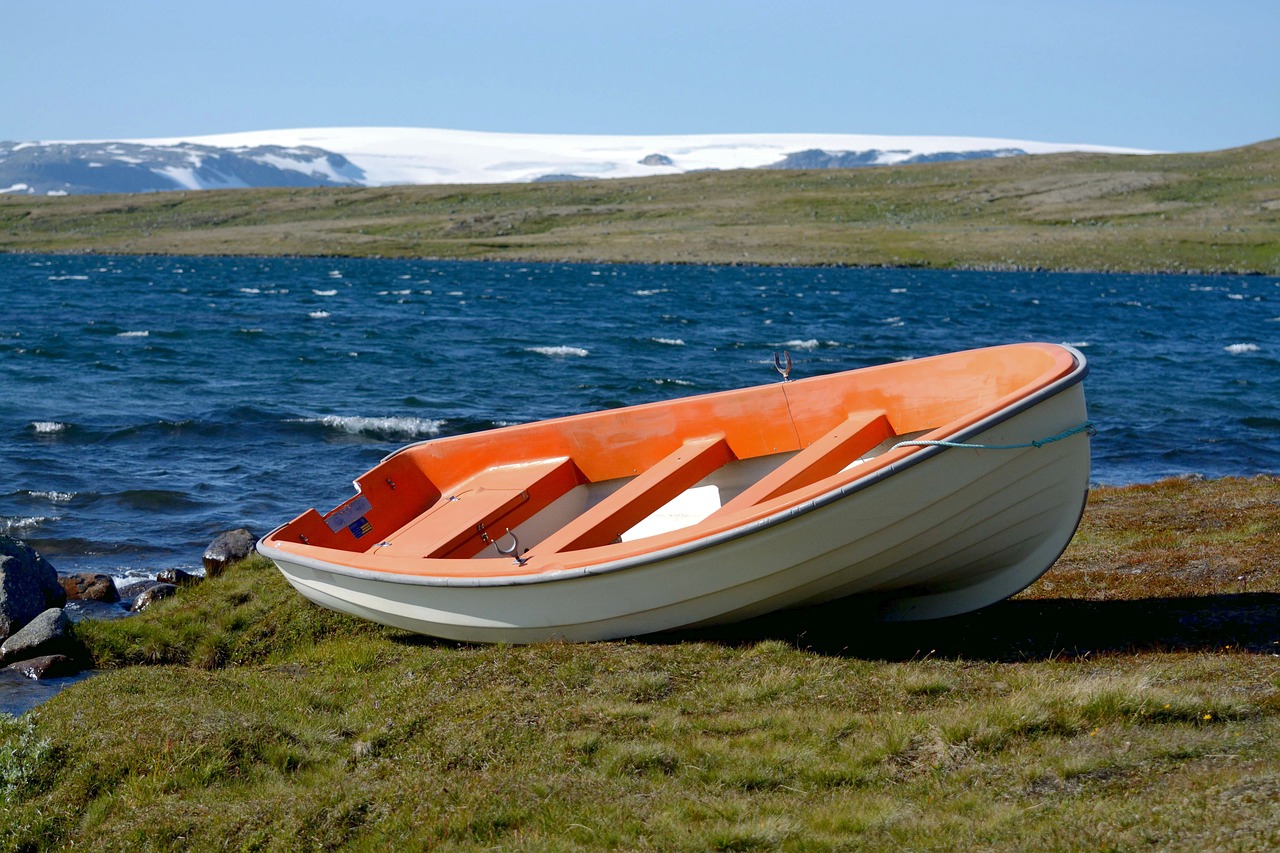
(1176, 75)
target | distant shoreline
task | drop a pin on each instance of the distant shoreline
(657, 263)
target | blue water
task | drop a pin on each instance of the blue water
(148, 403)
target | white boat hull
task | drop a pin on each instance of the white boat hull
(951, 530)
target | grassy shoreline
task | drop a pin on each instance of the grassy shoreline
(1131, 698)
(1214, 212)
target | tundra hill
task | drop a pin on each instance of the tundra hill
(1216, 212)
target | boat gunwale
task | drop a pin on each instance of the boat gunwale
(919, 455)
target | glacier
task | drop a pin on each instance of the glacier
(384, 156)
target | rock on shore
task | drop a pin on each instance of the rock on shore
(36, 635)
(228, 548)
(46, 666)
(90, 586)
(28, 586)
(47, 634)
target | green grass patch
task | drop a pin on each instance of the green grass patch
(237, 715)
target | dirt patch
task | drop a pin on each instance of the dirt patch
(1075, 189)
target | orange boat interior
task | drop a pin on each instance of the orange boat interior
(651, 476)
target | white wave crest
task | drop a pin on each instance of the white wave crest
(325, 292)
(22, 524)
(1237, 349)
(671, 342)
(49, 427)
(393, 426)
(55, 497)
(318, 315)
(559, 352)
(808, 345)
(653, 292)
(133, 335)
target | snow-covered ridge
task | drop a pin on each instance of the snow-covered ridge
(376, 156)
(400, 155)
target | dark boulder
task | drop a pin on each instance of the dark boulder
(177, 577)
(87, 586)
(227, 548)
(28, 585)
(152, 594)
(135, 588)
(46, 666)
(49, 633)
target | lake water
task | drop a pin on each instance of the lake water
(147, 404)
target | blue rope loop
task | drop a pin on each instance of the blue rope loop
(1087, 426)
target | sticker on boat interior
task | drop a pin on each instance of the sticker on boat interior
(346, 515)
(360, 527)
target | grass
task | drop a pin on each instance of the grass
(1210, 212)
(1130, 699)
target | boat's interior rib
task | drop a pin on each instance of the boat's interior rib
(606, 521)
(829, 455)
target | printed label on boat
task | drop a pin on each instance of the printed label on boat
(348, 514)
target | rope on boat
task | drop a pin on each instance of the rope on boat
(1087, 426)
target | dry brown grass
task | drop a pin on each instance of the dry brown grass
(1173, 539)
(1182, 564)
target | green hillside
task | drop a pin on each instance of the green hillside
(1212, 212)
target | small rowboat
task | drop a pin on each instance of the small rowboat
(929, 487)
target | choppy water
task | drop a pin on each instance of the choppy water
(148, 403)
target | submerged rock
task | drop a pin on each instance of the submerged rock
(28, 585)
(177, 577)
(227, 548)
(88, 586)
(152, 594)
(49, 633)
(134, 588)
(46, 666)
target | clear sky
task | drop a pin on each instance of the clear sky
(1175, 75)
